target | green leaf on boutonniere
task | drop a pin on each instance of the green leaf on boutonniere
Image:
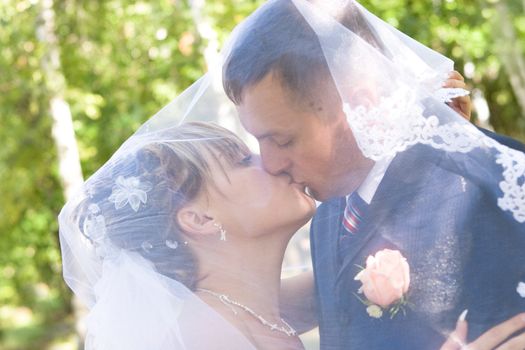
(400, 305)
(363, 301)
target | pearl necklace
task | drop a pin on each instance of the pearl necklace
(273, 326)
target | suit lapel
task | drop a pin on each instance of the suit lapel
(366, 232)
(336, 226)
(397, 186)
(325, 229)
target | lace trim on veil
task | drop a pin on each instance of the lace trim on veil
(397, 122)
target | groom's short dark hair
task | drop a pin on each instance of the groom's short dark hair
(277, 39)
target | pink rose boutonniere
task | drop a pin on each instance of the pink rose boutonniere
(385, 282)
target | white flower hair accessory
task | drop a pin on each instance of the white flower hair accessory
(95, 224)
(129, 190)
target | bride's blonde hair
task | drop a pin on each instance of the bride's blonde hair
(178, 166)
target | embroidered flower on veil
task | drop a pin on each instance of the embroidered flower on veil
(129, 190)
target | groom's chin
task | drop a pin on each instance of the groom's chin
(322, 196)
(318, 196)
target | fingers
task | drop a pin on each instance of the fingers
(458, 338)
(490, 339)
(461, 105)
(455, 75)
(496, 335)
(454, 83)
(455, 80)
(464, 105)
(463, 102)
(516, 343)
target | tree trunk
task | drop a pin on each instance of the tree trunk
(510, 52)
(225, 113)
(206, 32)
(63, 133)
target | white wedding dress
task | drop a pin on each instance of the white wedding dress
(137, 308)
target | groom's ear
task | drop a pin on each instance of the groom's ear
(195, 221)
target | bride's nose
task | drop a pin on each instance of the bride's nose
(257, 161)
(274, 163)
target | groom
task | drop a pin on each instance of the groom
(291, 106)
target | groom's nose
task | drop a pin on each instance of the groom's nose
(274, 162)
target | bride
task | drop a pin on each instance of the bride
(196, 211)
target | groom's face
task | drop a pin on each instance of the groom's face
(308, 139)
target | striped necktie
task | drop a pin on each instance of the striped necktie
(354, 213)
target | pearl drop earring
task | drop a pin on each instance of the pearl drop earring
(222, 231)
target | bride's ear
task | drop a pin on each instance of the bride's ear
(193, 220)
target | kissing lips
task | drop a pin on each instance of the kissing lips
(304, 189)
(309, 192)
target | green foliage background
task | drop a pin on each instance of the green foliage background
(122, 60)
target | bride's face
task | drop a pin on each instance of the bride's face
(251, 202)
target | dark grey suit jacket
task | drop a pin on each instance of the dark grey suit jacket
(463, 250)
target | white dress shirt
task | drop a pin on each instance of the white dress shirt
(368, 188)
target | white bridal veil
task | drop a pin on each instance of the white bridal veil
(120, 254)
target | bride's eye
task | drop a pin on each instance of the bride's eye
(246, 160)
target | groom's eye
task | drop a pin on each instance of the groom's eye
(285, 144)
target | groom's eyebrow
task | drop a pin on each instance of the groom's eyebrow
(265, 135)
